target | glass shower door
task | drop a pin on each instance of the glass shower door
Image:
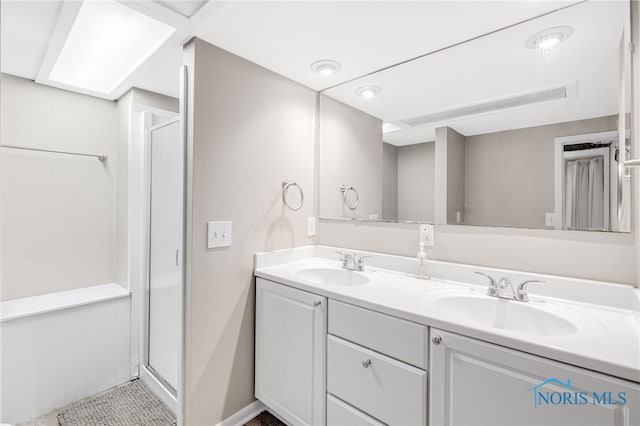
(165, 253)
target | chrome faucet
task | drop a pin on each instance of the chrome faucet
(504, 289)
(351, 262)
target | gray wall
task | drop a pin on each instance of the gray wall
(58, 211)
(590, 255)
(456, 172)
(389, 181)
(249, 129)
(510, 175)
(416, 182)
(350, 154)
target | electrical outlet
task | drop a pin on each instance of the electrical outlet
(311, 227)
(426, 234)
(550, 219)
(218, 234)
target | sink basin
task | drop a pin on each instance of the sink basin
(507, 315)
(332, 276)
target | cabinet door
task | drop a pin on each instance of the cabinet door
(477, 383)
(291, 328)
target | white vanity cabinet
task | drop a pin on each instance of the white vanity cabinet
(375, 367)
(478, 383)
(291, 331)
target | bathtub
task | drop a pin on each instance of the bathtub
(61, 347)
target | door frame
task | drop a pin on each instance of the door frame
(147, 280)
(141, 117)
(559, 162)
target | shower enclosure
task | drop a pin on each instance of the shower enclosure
(162, 331)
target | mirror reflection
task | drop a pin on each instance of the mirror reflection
(522, 128)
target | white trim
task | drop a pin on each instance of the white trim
(51, 302)
(183, 141)
(158, 389)
(244, 415)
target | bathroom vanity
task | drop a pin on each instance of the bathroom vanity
(372, 347)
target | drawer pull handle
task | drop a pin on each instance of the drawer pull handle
(436, 340)
(366, 363)
(317, 303)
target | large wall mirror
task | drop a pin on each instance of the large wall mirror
(524, 127)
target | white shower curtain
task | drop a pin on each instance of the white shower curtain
(584, 194)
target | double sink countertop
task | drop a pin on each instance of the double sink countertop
(589, 324)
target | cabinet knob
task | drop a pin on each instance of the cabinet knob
(317, 303)
(366, 363)
(436, 340)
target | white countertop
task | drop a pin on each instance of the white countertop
(607, 340)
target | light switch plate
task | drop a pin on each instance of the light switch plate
(426, 234)
(218, 234)
(311, 227)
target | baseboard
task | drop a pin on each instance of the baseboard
(244, 415)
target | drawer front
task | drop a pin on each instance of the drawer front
(400, 339)
(391, 391)
(341, 414)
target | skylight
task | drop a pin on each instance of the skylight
(107, 42)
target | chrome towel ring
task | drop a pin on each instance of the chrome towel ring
(345, 191)
(286, 185)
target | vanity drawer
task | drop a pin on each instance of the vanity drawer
(386, 389)
(340, 413)
(398, 338)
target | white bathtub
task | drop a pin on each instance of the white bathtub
(61, 347)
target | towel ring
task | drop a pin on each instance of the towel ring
(286, 185)
(345, 191)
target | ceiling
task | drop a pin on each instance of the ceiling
(285, 37)
(499, 66)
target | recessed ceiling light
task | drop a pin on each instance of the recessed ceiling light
(107, 42)
(368, 91)
(326, 67)
(549, 38)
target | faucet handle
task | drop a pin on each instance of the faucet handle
(361, 262)
(521, 291)
(493, 289)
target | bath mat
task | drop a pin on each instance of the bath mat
(127, 405)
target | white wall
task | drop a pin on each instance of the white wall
(350, 154)
(58, 211)
(248, 130)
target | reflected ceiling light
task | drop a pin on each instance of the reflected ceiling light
(368, 91)
(326, 67)
(389, 127)
(549, 38)
(107, 42)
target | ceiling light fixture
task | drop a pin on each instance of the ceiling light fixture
(326, 67)
(549, 38)
(108, 41)
(368, 91)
